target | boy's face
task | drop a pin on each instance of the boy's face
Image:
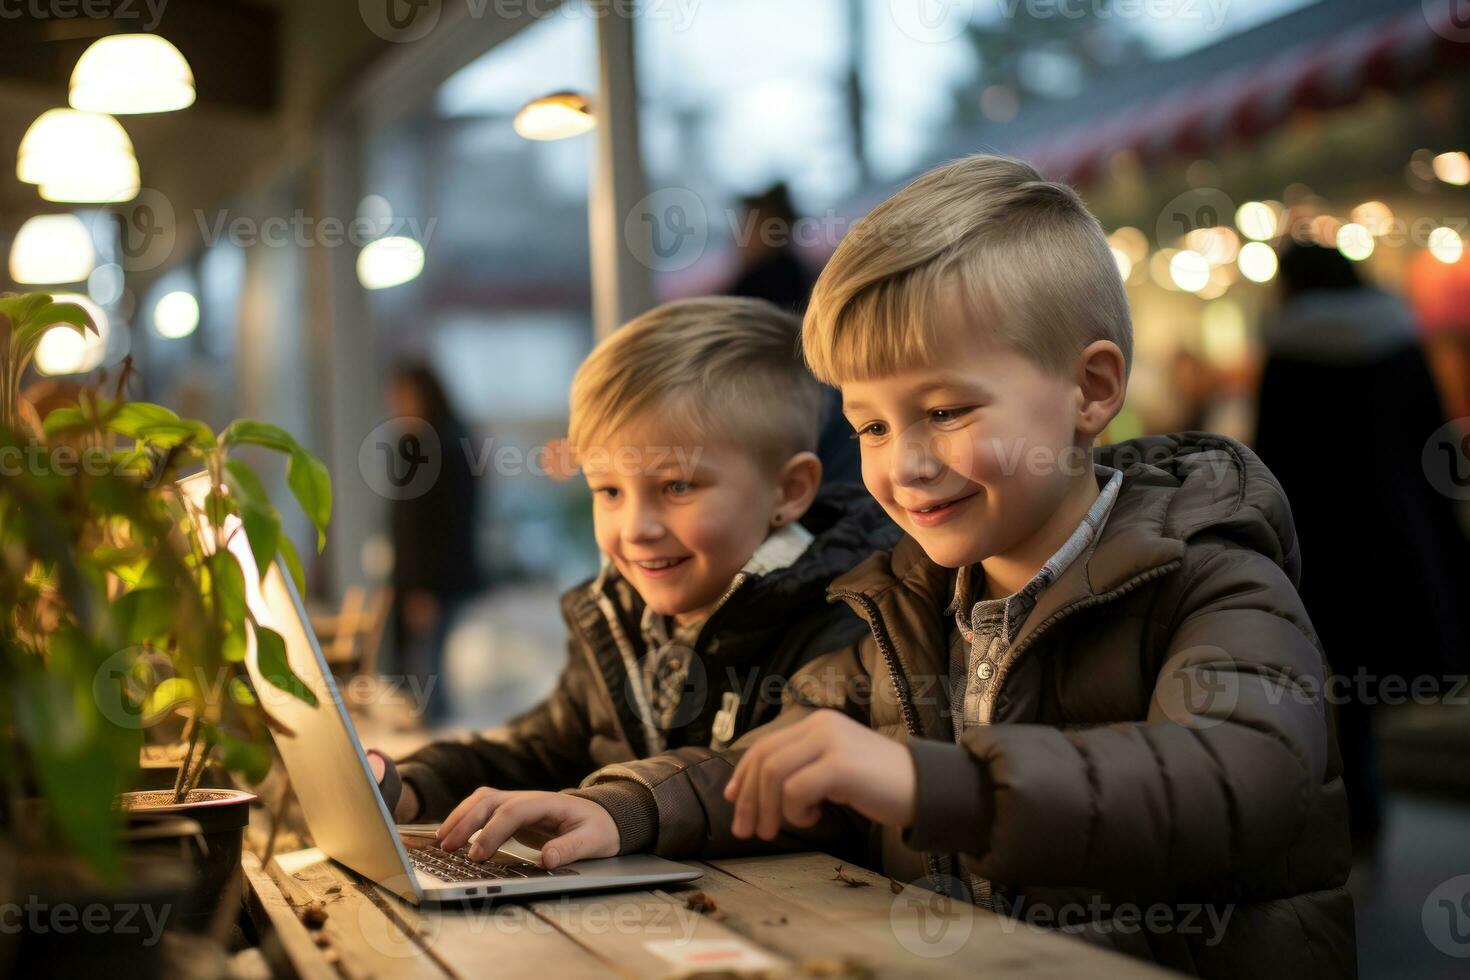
(971, 454)
(678, 520)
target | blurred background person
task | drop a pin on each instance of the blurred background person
(771, 268)
(435, 569)
(1346, 402)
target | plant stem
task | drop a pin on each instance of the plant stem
(181, 781)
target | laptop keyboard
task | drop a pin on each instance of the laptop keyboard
(456, 866)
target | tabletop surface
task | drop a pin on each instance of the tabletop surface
(784, 915)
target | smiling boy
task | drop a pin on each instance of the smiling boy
(1089, 685)
(694, 426)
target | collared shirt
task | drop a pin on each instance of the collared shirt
(993, 624)
(670, 646)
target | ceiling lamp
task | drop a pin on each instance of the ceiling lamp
(126, 74)
(52, 248)
(555, 117)
(78, 156)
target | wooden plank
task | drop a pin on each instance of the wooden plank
(799, 932)
(361, 938)
(506, 939)
(274, 918)
(923, 928)
(618, 928)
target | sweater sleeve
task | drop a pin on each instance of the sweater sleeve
(545, 748)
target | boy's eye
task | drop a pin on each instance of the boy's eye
(874, 429)
(950, 414)
(678, 487)
(608, 493)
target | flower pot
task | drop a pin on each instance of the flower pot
(213, 854)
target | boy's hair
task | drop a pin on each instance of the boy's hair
(718, 368)
(1027, 262)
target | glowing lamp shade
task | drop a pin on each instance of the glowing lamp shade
(62, 141)
(390, 261)
(108, 180)
(132, 73)
(555, 117)
(176, 315)
(1257, 261)
(52, 248)
(65, 351)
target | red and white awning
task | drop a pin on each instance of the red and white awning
(1392, 54)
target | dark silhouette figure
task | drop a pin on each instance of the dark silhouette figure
(1346, 406)
(434, 567)
(771, 269)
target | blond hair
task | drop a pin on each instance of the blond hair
(720, 368)
(1027, 262)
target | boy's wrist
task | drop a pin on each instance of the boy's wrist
(633, 811)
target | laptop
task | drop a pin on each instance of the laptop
(339, 797)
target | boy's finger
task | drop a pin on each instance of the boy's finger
(777, 769)
(577, 844)
(467, 818)
(753, 757)
(804, 793)
(504, 823)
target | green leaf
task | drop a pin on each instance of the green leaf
(218, 506)
(232, 645)
(172, 432)
(228, 583)
(249, 759)
(312, 484)
(20, 308)
(136, 415)
(168, 695)
(144, 614)
(262, 521)
(293, 564)
(69, 313)
(244, 484)
(65, 419)
(258, 434)
(271, 657)
(240, 692)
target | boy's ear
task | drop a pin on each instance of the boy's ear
(1102, 381)
(797, 485)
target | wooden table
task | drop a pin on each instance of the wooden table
(795, 913)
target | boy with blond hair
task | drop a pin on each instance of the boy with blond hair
(695, 426)
(1090, 696)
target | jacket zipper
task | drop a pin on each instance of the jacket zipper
(905, 703)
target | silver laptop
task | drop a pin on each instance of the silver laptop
(339, 797)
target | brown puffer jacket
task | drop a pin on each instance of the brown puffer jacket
(1160, 774)
(765, 630)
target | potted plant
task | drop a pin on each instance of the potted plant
(122, 614)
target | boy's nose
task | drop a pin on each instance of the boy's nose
(642, 525)
(914, 461)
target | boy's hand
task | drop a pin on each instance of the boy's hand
(578, 829)
(825, 757)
